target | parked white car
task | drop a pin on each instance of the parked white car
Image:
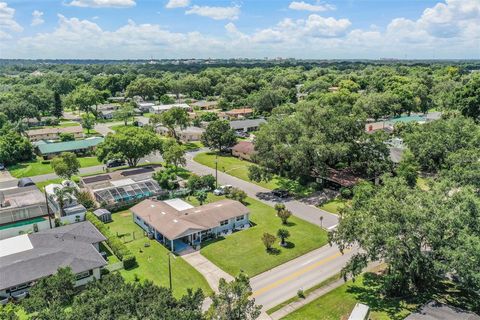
(220, 191)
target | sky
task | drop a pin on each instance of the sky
(303, 29)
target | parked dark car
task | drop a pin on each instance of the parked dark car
(115, 163)
(2, 167)
(281, 193)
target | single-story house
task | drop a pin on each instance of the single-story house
(20, 204)
(188, 134)
(123, 187)
(239, 113)
(205, 105)
(116, 99)
(27, 258)
(145, 106)
(50, 150)
(107, 114)
(165, 107)
(344, 178)
(246, 125)
(54, 133)
(243, 150)
(439, 311)
(177, 224)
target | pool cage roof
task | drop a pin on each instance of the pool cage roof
(137, 190)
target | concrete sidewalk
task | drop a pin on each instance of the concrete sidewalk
(291, 307)
(210, 271)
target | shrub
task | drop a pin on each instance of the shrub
(301, 294)
(237, 194)
(117, 246)
(284, 215)
(86, 199)
(346, 193)
(129, 261)
(268, 240)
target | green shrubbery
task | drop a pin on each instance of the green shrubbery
(117, 246)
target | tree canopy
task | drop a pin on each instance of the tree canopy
(130, 143)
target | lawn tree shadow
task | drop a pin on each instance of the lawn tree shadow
(273, 251)
(289, 245)
(289, 224)
(370, 294)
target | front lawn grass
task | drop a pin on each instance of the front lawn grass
(244, 250)
(153, 260)
(339, 303)
(60, 125)
(232, 166)
(333, 206)
(40, 166)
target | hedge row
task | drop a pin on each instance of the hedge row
(117, 246)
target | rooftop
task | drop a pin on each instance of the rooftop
(239, 111)
(21, 197)
(245, 147)
(73, 129)
(439, 311)
(26, 258)
(57, 147)
(248, 123)
(170, 106)
(173, 223)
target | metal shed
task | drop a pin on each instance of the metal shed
(103, 214)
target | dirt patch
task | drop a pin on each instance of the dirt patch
(125, 214)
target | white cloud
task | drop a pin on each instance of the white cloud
(7, 21)
(304, 6)
(177, 4)
(103, 3)
(37, 18)
(76, 38)
(216, 13)
(315, 36)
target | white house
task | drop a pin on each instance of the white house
(178, 224)
(165, 107)
(27, 258)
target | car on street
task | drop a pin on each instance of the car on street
(2, 167)
(115, 163)
(222, 190)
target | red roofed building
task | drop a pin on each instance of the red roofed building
(243, 150)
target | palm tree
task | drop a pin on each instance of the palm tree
(201, 196)
(283, 234)
(63, 195)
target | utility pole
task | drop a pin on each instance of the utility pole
(170, 269)
(48, 210)
(216, 171)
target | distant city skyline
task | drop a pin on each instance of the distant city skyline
(137, 29)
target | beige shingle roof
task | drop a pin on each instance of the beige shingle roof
(174, 224)
(73, 129)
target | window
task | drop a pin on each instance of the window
(224, 222)
(240, 218)
(83, 275)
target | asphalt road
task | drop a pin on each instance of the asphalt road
(306, 212)
(283, 282)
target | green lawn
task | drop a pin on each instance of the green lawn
(333, 206)
(232, 166)
(40, 166)
(60, 125)
(153, 260)
(121, 126)
(244, 250)
(338, 303)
